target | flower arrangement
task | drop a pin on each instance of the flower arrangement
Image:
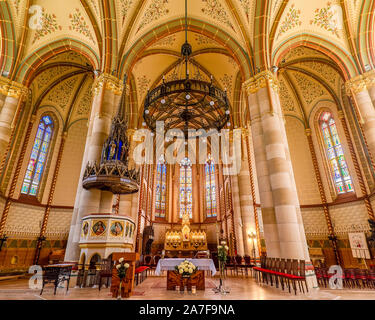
(222, 251)
(122, 267)
(186, 268)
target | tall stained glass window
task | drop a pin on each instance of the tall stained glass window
(38, 157)
(335, 154)
(186, 188)
(161, 188)
(210, 188)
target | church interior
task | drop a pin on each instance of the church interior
(289, 83)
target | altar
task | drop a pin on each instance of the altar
(170, 264)
(175, 280)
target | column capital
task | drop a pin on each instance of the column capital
(360, 83)
(260, 81)
(308, 132)
(12, 89)
(109, 82)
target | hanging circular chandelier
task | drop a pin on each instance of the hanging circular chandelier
(188, 102)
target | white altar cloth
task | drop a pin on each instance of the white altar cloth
(169, 264)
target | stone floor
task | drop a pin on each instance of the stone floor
(153, 288)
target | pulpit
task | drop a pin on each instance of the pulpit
(127, 284)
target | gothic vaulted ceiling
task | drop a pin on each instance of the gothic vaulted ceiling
(231, 39)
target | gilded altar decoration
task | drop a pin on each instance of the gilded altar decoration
(185, 239)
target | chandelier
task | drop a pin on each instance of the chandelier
(188, 102)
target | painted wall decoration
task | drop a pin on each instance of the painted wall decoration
(61, 94)
(310, 89)
(143, 84)
(117, 228)
(99, 228)
(246, 7)
(125, 6)
(78, 23)
(127, 229)
(291, 20)
(326, 18)
(215, 10)
(156, 10)
(201, 39)
(85, 228)
(166, 42)
(85, 102)
(49, 25)
(227, 81)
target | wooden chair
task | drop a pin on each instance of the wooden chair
(230, 265)
(239, 266)
(105, 272)
(248, 264)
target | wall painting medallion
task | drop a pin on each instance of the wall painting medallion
(127, 229)
(99, 228)
(85, 228)
(117, 229)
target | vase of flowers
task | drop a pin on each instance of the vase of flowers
(122, 267)
(186, 269)
(222, 255)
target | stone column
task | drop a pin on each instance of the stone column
(12, 96)
(279, 201)
(238, 220)
(246, 200)
(94, 201)
(362, 89)
(125, 206)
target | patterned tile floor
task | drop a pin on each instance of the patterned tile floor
(153, 288)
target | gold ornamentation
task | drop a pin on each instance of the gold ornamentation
(108, 82)
(356, 85)
(260, 81)
(12, 88)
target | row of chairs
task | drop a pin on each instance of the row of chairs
(237, 264)
(286, 272)
(352, 278)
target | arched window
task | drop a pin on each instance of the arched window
(186, 190)
(210, 188)
(161, 188)
(38, 157)
(335, 154)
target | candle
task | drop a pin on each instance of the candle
(193, 289)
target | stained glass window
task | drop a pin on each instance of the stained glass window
(186, 188)
(335, 154)
(210, 188)
(161, 188)
(38, 157)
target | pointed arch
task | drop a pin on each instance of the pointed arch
(339, 55)
(8, 38)
(35, 59)
(196, 26)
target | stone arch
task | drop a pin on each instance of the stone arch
(35, 59)
(339, 55)
(8, 38)
(196, 26)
